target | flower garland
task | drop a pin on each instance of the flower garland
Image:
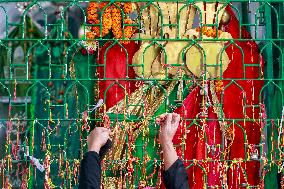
(209, 32)
(111, 18)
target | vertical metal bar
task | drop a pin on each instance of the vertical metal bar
(281, 62)
(245, 14)
(271, 176)
(268, 50)
(281, 33)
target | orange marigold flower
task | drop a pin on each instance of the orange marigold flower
(128, 21)
(93, 11)
(219, 86)
(127, 7)
(117, 33)
(111, 19)
(107, 22)
(107, 25)
(115, 11)
(116, 19)
(125, 41)
(116, 22)
(96, 30)
(90, 35)
(91, 8)
(197, 29)
(117, 3)
(117, 28)
(94, 4)
(209, 32)
(106, 11)
(128, 31)
(95, 21)
(107, 15)
(104, 32)
(93, 17)
(204, 29)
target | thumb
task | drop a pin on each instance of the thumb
(169, 119)
(176, 118)
(109, 131)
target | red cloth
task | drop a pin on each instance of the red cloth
(114, 61)
(237, 102)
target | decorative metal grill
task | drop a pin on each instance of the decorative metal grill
(218, 64)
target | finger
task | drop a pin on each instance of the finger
(169, 119)
(176, 118)
(93, 131)
(96, 128)
(175, 115)
(106, 130)
(99, 128)
(163, 115)
(161, 118)
(162, 122)
(102, 128)
(106, 133)
(109, 131)
(158, 120)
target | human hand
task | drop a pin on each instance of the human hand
(169, 123)
(97, 138)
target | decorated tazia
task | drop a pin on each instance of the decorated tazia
(111, 18)
(210, 62)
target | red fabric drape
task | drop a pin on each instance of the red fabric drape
(114, 61)
(240, 101)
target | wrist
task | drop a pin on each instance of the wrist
(95, 148)
(167, 144)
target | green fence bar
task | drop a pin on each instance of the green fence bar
(69, 66)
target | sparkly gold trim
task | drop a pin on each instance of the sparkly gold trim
(229, 135)
(146, 94)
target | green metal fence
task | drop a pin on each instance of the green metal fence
(218, 64)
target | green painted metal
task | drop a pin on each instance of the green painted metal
(44, 72)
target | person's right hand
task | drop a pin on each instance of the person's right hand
(97, 138)
(169, 123)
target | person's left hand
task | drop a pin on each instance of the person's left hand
(97, 138)
(169, 123)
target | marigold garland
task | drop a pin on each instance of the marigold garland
(219, 86)
(209, 32)
(111, 19)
